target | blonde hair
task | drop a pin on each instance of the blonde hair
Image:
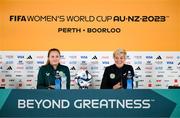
(119, 51)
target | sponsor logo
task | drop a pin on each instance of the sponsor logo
(94, 62)
(138, 68)
(137, 62)
(149, 57)
(30, 75)
(148, 75)
(3, 85)
(169, 68)
(11, 85)
(169, 57)
(73, 62)
(94, 68)
(138, 57)
(20, 67)
(105, 62)
(84, 68)
(73, 57)
(29, 57)
(159, 57)
(158, 85)
(159, 76)
(148, 71)
(95, 57)
(148, 63)
(28, 84)
(95, 76)
(29, 68)
(170, 76)
(62, 56)
(105, 57)
(175, 81)
(19, 75)
(148, 68)
(149, 84)
(9, 56)
(178, 57)
(170, 62)
(174, 71)
(40, 62)
(30, 71)
(17, 71)
(128, 57)
(40, 57)
(9, 62)
(20, 56)
(95, 72)
(9, 68)
(84, 57)
(11, 80)
(20, 62)
(166, 80)
(28, 80)
(73, 68)
(159, 68)
(159, 62)
(3, 80)
(29, 62)
(83, 63)
(160, 71)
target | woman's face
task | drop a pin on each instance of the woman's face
(54, 58)
(119, 60)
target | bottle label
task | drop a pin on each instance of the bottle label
(63, 82)
(57, 84)
(129, 84)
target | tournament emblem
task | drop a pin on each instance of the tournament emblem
(112, 75)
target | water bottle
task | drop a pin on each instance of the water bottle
(63, 82)
(129, 80)
(57, 83)
(57, 80)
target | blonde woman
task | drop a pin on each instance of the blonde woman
(115, 76)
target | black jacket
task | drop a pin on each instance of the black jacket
(113, 75)
(46, 76)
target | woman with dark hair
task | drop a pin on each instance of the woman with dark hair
(53, 75)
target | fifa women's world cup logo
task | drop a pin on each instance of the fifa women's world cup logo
(83, 79)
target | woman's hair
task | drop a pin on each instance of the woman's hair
(119, 51)
(52, 49)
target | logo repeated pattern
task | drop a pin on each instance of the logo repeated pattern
(19, 69)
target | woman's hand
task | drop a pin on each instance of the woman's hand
(117, 86)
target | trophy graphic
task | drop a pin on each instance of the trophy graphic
(83, 79)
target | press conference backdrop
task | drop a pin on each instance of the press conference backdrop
(19, 69)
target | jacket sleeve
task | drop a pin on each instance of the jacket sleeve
(132, 71)
(105, 83)
(68, 78)
(41, 81)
